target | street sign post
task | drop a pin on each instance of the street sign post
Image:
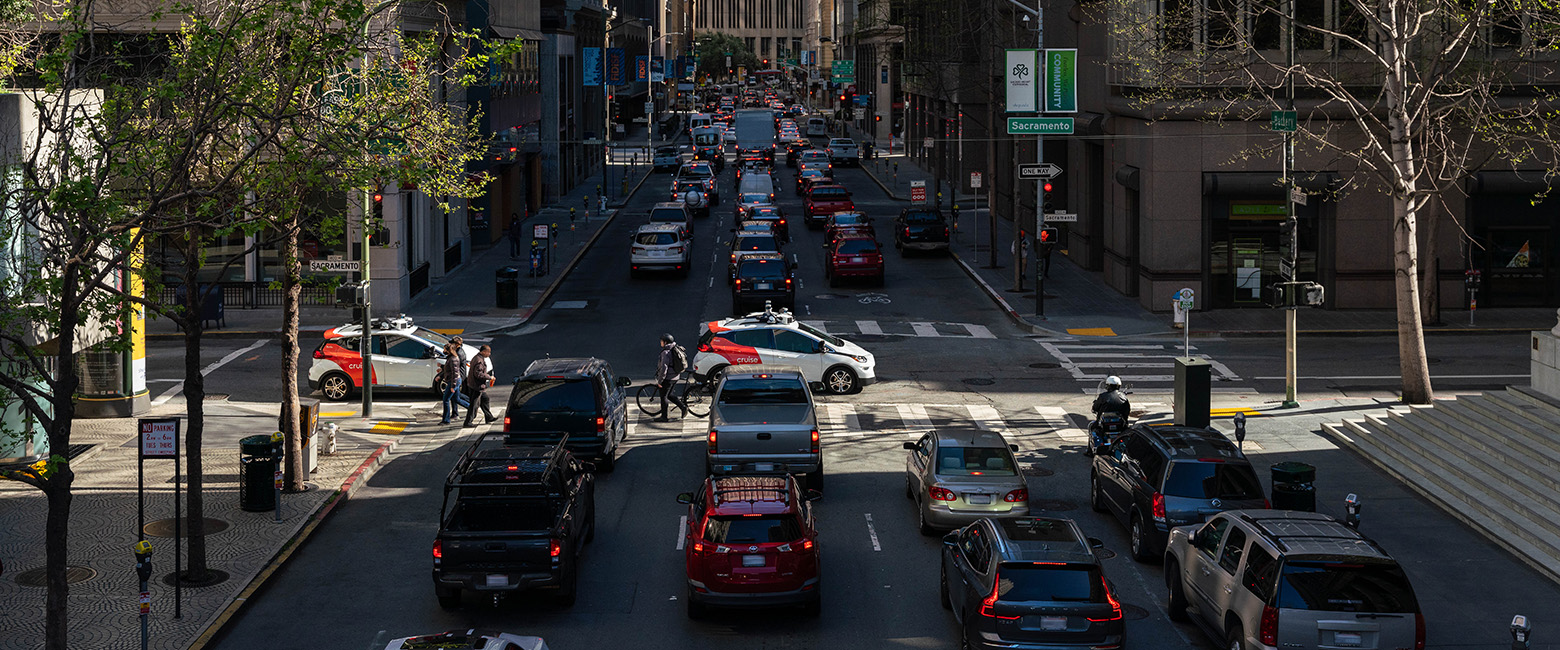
(1184, 300)
(1038, 171)
(335, 266)
(917, 191)
(974, 180)
(843, 72)
(1040, 126)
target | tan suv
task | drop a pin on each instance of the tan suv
(1293, 580)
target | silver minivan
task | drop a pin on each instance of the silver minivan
(958, 476)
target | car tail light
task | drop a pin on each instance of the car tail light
(1021, 494)
(601, 425)
(704, 347)
(319, 353)
(438, 550)
(990, 601)
(1267, 631)
(739, 284)
(639, 249)
(698, 546)
(1158, 506)
(782, 222)
(713, 439)
(1419, 631)
(807, 545)
(907, 231)
(945, 231)
(814, 431)
(1115, 605)
(788, 283)
(1267, 505)
(941, 494)
(554, 547)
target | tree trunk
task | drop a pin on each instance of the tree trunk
(292, 432)
(195, 421)
(56, 528)
(1407, 201)
(1430, 283)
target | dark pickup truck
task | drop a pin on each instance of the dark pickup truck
(514, 518)
(921, 230)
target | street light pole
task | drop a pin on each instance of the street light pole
(1018, 246)
(1291, 315)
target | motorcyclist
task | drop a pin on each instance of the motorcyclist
(1111, 402)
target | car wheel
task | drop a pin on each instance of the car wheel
(1096, 500)
(590, 525)
(815, 480)
(336, 386)
(713, 377)
(833, 281)
(920, 514)
(1175, 600)
(942, 588)
(1232, 639)
(1139, 535)
(839, 380)
(569, 591)
(909, 491)
(814, 607)
(608, 463)
(449, 598)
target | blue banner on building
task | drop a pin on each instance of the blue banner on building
(590, 74)
(657, 70)
(641, 68)
(687, 65)
(617, 66)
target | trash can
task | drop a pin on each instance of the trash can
(258, 460)
(507, 285)
(1294, 486)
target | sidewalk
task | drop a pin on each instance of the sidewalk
(1079, 302)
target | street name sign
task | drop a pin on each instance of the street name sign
(1038, 171)
(335, 266)
(1297, 196)
(1062, 217)
(1286, 121)
(1040, 126)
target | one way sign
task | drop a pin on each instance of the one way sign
(1039, 171)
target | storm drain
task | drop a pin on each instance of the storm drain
(1036, 471)
(37, 578)
(164, 527)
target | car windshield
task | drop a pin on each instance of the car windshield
(430, 335)
(768, 529)
(707, 139)
(668, 216)
(857, 247)
(832, 194)
(696, 172)
(850, 219)
(1201, 480)
(832, 339)
(757, 390)
(655, 239)
(923, 217)
(760, 243)
(762, 270)
(1346, 587)
(1026, 582)
(553, 395)
(754, 197)
(974, 461)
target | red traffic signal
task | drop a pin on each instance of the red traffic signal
(1048, 186)
(379, 198)
(1048, 235)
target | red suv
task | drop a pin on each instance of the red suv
(854, 256)
(824, 200)
(751, 543)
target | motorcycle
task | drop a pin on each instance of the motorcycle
(1105, 428)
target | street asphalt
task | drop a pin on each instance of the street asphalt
(947, 357)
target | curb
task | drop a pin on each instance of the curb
(1001, 302)
(354, 481)
(891, 195)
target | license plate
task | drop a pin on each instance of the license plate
(763, 467)
(1349, 639)
(857, 260)
(497, 580)
(752, 560)
(1053, 622)
(979, 499)
(657, 253)
(763, 286)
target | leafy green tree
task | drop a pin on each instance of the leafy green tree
(712, 48)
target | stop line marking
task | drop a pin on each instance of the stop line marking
(682, 525)
(872, 532)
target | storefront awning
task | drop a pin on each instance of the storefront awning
(516, 32)
(1261, 184)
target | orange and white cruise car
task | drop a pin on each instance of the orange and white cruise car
(405, 357)
(776, 337)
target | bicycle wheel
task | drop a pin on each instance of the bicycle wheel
(649, 400)
(697, 399)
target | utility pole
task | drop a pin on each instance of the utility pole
(1291, 313)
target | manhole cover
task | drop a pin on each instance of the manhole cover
(1053, 505)
(36, 577)
(216, 397)
(978, 381)
(1104, 553)
(213, 577)
(469, 312)
(1045, 365)
(164, 527)
(831, 296)
(1037, 471)
(1133, 612)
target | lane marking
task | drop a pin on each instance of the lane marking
(448, 331)
(986, 418)
(1113, 347)
(869, 327)
(1056, 418)
(817, 325)
(179, 387)
(924, 329)
(337, 414)
(979, 331)
(872, 533)
(841, 419)
(682, 525)
(914, 417)
(712, 282)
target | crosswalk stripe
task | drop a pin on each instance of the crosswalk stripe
(1056, 418)
(914, 416)
(1109, 347)
(869, 327)
(841, 420)
(986, 418)
(924, 329)
(979, 331)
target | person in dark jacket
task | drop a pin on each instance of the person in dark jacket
(453, 376)
(668, 367)
(478, 380)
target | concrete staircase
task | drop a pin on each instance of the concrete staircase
(1491, 460)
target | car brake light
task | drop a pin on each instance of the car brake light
(639, 249)
(319, 353)
(554, 547)
(698, 547)
(712, 439)
(814, 431)
(704, 347)
(1267, 631)
(1419, 631)
(1115, 605)
(990, 601)
(1021, 494)
(506, 423)
(739, 283)
(1159, 506)
(941, 494)
(438, 549)
(807, 545)
(601, 425)
(788, 282)
(907, 231)
(945, 231)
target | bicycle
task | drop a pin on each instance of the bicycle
(696, 394)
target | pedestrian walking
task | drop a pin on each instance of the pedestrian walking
(451, 378)
(478, 380)
(669, 366)
(514, 236)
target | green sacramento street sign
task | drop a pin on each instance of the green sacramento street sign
(1040, 126)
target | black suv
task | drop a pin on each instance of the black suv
(1156, 478)
(1028, 582)
(578, 399)
(762, 277)
(920, 229)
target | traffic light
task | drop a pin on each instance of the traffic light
(1048, 236)
(1045, 200)
(877, 118)
(378, 234)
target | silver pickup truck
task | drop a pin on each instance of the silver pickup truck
(763, 422)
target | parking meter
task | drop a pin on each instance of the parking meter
(143, 560)
(1351, 511)
(1521, 633)
(1240, 430)
(1472, 278)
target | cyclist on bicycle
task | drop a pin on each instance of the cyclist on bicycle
(671, 364)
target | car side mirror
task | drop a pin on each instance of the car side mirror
(685, 497)
(1197, 537)
(431, 353)
(1013, 447)
(951, 540)
(516, 380)
(812, 495)
(910, 446)
(624, 382)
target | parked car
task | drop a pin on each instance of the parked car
(762, 422)
(751, 541)
(853, 257)
(1029, 582)
(957, 476)
(1156, 478)
(577, 400)
(920, 229)
(514, 518)
(405, 357)
(667, 158)
(762, 278)
(1280, 579)
(838, 365)
(659, 247)
(824, 200)
(844, 152)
